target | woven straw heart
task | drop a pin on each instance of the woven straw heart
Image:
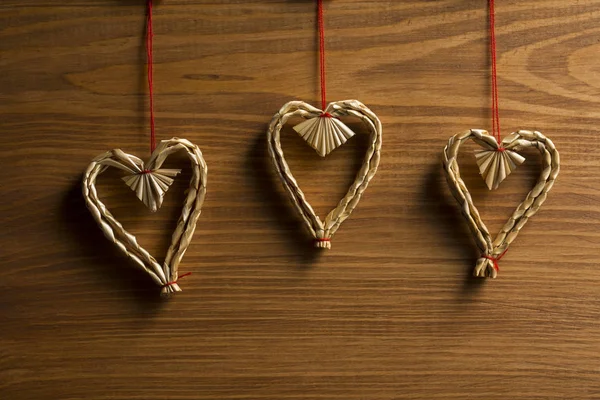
(491, 251)
(322, 231)
(155, 186)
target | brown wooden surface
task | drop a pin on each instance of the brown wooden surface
(390, 312)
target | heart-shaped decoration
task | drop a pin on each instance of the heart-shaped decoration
(150, 183)
(491, 251)
(332, 135)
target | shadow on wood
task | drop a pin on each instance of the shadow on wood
(447, 219)
(261, 170)
(103, 257)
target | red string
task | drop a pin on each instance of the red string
(495, 259)
(323, 240)
(175, 281)
(322, 54)
(150, 61)
(495, 106)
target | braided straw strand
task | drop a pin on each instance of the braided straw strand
(322, 231)
(491, 251)
(164, 275)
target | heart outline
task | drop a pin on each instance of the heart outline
(491, 251)
(323, 231)
(165, 275)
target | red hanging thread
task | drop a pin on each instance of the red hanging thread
(322, 56)
(495, 106)
(150, 61)
(175, 281)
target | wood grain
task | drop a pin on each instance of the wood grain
(390, 312)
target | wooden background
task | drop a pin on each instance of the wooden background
(390, 312)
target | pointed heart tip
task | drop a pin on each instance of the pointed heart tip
(323, 243)
(485, 268)
(491, 185)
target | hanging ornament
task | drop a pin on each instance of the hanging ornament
(150, 182)
(324, 132)
(496, 160)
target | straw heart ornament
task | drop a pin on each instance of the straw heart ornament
(149, 181)
(493, 250)
(327, 137)
(324, 132)
(496, 160)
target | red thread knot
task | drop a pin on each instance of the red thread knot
(495, 260)
(175, 281)
(501, 149)
(326, 115)
(323, 240)
(146, 171)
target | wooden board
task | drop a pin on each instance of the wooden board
(390, 312)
